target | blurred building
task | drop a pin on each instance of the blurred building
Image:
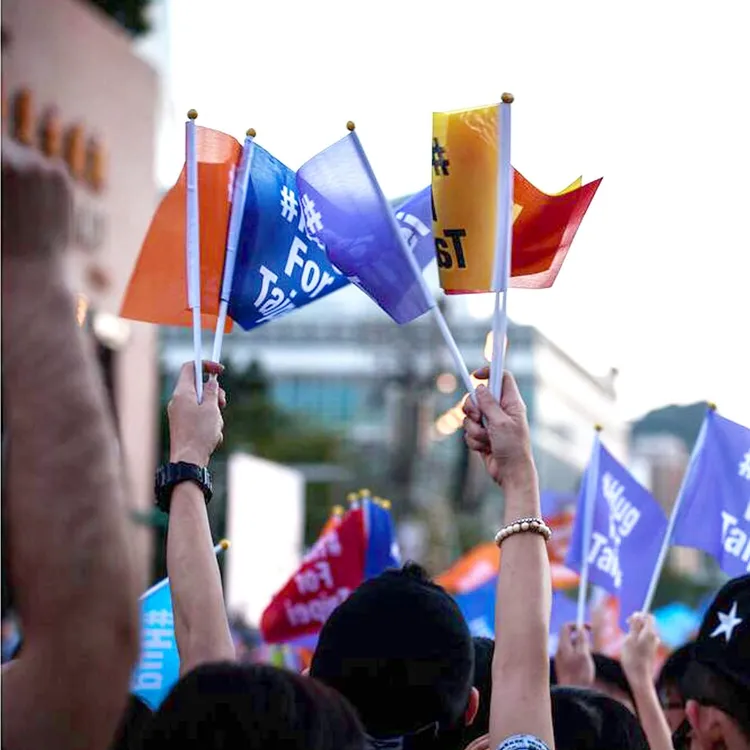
(74, 89)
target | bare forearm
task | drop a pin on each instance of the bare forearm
(650, 713)
(201, 625)
(521, 663)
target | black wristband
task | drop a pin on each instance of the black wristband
(168, 476)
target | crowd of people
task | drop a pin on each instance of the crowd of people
(395, 665)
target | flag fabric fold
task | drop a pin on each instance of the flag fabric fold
(714, 510)
(352, 223)
(157, 290)
(628, 529)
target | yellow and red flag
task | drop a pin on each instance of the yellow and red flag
(157, 291)
(464, 192)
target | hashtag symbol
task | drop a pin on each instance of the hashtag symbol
(312, 217)
(745, 466)
(158, 618)
(439, 163)
(288, 204)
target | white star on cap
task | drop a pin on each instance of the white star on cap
(727, 623)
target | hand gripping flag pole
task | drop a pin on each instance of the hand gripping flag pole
(192, 248)
(656, 575)
(503, 245)
(416, 270)
(239, 194)
(592, 478)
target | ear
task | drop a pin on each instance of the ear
(706, 724)
(472, 708)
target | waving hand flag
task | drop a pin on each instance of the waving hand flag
(157, 291)
(628, 528)
(354, 224)
(714, 504)
(464, 184)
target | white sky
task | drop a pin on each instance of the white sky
(651, 95)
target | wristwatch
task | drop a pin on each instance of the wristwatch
(168, 476)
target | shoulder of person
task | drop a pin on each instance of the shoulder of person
(522, 742)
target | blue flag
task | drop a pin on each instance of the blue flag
(478, 608)
(564, 610)
(281, 263)
(382, 548)
(360, 231)
(627, 532)
(714, 512)
(159, 667)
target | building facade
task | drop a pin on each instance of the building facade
(74, 89)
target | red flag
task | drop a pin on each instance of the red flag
(332, 569)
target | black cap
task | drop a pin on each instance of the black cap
(723, 642)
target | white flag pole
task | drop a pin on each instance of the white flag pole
(589, 504)
(192, 248)
(667, 541)
(450, 342)
(503, 245)
(239, 193)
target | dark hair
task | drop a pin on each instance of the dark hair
(231, 706)
(484, 651)
(400, 650)
(552, 673)
(674, 668)
(610, 671)
(589, 720)
(706, 686)
(134, 720)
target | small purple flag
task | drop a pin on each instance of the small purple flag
(714, 511)
(359, 230)
(627, 532)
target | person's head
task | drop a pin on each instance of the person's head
(231, 706)
(668, 685)
(400, 650)
(484, 651)
(611, 680)
(588, 720)
(716, 684)
(132, 725)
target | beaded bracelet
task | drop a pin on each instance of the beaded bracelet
(523, 525)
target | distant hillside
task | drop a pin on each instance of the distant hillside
(683, 422)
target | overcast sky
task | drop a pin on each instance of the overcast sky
(653, 96)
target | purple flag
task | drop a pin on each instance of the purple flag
(359, 230)
(714, 511)
(627, 532)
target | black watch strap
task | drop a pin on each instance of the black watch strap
(168, 476)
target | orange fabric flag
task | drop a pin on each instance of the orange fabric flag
(157, 291)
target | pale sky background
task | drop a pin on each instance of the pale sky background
(652, 95)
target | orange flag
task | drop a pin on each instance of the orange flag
(157, 291)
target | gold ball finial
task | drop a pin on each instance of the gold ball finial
(352, 497)
(350, 126)
(712, 406)
(225, 544)
(598, 428)
(337, 510)
(508, 98)
(251, 133)
(385, 504)
(365, 493)
(192, 114)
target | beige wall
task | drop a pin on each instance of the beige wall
(71, 57)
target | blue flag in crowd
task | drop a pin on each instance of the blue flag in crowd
(478, 608)
(714, 513)
(382, 548)
(358, 228)
(564, 610)
(159, 667)
(627, 532)
(281, 264)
